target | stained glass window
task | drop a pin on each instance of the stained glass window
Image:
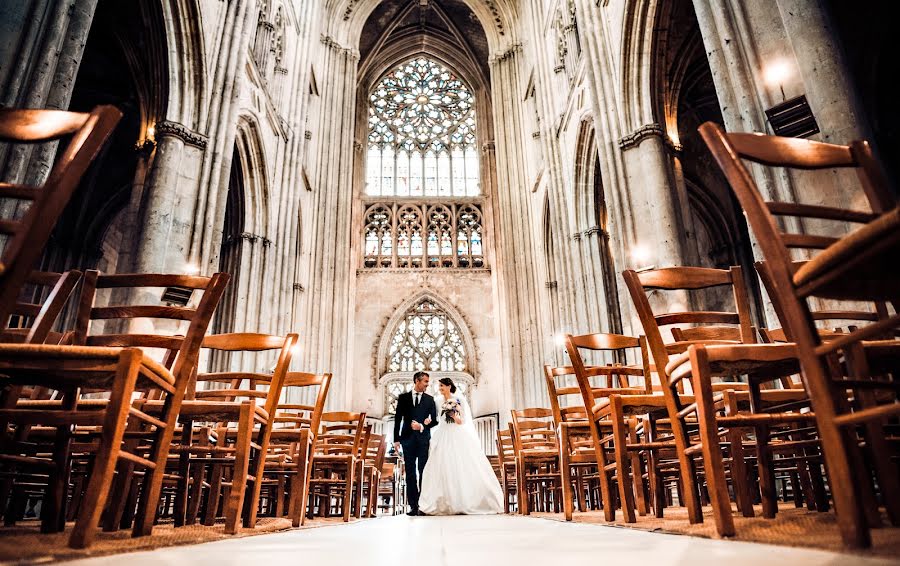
(422, 134)
(423, 234)
(427, 339)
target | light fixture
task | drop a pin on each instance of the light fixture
(151, 132)
(776, 72)
(191, 268)
(560, 340)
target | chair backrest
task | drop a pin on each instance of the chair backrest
(505, 449)
(340, 434)
(533, 429)
(22, 240)
(300, 416)
(619, 378)
(43, 297)
(843, 276)
(375, 451)
(182, 349)
(688, 278)
(560, 390)
(249, 342)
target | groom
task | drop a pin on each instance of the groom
(418, 414)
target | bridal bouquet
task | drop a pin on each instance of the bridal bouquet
(449, 409)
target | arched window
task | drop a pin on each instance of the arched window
(422, 134)
(427, 339)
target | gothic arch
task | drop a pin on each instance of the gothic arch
(186, 76)
(393, 323)
(248, 142)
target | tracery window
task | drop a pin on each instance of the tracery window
(401, 384)
(422, 134)
(427, 339)
(423, 234)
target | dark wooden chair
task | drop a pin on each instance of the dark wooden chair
(119, 364)
(860, 266)
(22, 239)
(372, 467)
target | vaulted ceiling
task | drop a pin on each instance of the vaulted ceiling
(437, 25)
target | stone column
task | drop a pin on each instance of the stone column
(517, 268)
(325, 332)
(44, 44)
(826, 78)
(659, 227)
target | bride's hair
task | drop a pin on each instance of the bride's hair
(449, 383)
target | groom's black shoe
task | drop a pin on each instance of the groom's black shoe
(421, 514)
(413, 512)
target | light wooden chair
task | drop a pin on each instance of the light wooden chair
(731, 359)
(293, 438)
(242, 427)
(334, 461)
(120, 364)
(506, 453)
(537, 460)
(860, 266)
(613, 408)
(22, 237)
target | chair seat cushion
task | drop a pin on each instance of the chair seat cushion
(864, 262)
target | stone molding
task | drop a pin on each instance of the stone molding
(635, 138)
(488, 146)
(495, 13)
(298, 287)
(551, 284)
(180, 131)
(576, 236)
(332, 43)
(252, 238)
(507, 54)
(423, 269)
(595, 230)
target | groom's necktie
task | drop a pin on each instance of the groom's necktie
(416, 403)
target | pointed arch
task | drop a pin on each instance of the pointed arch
(392, 326)
(186, 56)
(250, 150)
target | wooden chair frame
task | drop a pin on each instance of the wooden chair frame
(859, 266)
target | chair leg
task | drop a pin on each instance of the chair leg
(259, 469)
(606, 496)
(739, 476)
(348, 489)
(215, 491)
(623, 471)
(687, 489)
(566, 476)
(712, 453)
(637, 470)
(235, 502)
(766, 470)
(108, 454)
(53, 509)
(300, 486)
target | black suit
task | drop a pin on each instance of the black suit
(415, 444)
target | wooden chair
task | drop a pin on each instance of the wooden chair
(389, 488)
(577, 459)
(116, 363)
(33, 316)
(334, 461)
(675, 361)
(22, 239)
(537, 460)
(242, 427)
(612, 409)
(372, 467)
(506, 453)
(860, 266)
(294, 436)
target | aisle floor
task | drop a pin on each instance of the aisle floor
(477, 541)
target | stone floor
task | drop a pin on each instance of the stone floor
(475, 541)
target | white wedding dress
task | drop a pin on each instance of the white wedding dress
(458, 478)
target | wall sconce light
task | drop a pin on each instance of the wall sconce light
(191, 268)
(151, 132)
(560, 340)
(776, 72)
(642, 256)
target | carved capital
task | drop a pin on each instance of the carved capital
(180, 131)
(595, 230)
(299, 287)
(488, 146)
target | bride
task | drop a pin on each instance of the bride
(458, 479)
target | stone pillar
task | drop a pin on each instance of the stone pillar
(658, 225)
(826, 78)
(517, 267)
(325, 332)
(40, 71)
